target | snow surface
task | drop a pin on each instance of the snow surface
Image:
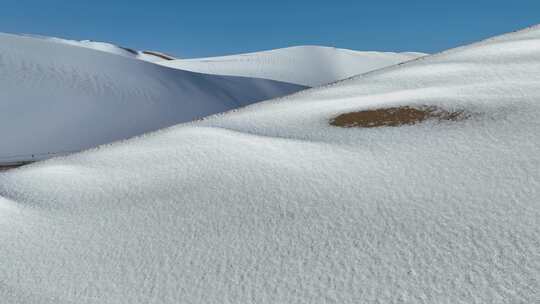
(104, 47)
(305, 65)
(270, 204)
(57, 98)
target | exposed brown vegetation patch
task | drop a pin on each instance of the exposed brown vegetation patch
(396, 116)
(160, 55)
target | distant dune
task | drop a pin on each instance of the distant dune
(109, 48)
(57, 98)
(303, 65)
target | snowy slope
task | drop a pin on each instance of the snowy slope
(105, 47)
(56, 97)
(304, 65)
(270, 204)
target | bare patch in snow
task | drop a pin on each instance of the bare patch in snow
(396, 116)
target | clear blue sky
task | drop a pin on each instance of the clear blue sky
(204, 28)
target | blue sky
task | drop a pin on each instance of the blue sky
(205, 28)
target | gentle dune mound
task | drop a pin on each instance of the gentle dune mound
(396, 116)
(304, 65)
(100, 96)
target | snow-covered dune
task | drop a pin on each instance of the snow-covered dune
(109, 48)
(272, 204)
(304, 65)
(58, 98)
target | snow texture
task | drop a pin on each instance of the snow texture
(104, 47)
(270, 204)
(56, 98)
(305, 65)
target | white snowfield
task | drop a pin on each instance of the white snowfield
(305, 65)
(57, 98)
(270, 204)
(105, 47)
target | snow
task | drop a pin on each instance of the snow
(57, 98)
(103, 47)
(271, 204)
(305, 65)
